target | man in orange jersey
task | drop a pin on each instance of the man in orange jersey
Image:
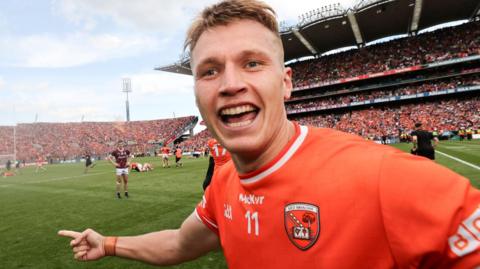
(295, 196)
(218, 157)
(178, 157)
(165, 152)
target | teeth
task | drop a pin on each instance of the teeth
(237, 110)
(239, 124)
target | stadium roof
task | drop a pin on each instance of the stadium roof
(332, 27)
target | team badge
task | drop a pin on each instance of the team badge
(302, 223)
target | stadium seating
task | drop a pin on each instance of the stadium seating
(6, 140)
(60, 141)
(446, 115)
(443, 44)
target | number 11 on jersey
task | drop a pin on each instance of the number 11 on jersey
(252, 217)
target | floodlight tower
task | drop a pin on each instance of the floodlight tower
(126, 88)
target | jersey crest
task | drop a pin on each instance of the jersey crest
(302, 224)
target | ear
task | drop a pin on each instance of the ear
(287, 83)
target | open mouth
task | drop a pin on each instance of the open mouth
(239, 115)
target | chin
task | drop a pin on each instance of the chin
(242, 145)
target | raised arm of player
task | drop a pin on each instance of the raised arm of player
(193, 239)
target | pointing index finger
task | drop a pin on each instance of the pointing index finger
(71, 234)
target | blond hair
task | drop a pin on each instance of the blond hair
(228, 11)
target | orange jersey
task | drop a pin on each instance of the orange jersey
(165, 150)
(333, 200)
(219, 153)
(178, 153)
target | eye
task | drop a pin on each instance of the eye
(208, 73)
(252, 64)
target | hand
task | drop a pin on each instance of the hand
(86, 246)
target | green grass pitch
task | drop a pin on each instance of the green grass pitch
(468, 151)
(35, 206)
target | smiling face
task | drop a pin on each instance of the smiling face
(240, 88)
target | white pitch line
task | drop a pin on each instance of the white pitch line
(458, 160)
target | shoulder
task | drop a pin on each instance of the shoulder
(328, 141)
(224, 173)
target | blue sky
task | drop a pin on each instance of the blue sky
(65, 59)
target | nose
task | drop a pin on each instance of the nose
(232, 81)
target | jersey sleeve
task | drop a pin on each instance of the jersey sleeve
(205, 210)
(431, 214)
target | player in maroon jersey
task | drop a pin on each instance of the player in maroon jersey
(120, 158)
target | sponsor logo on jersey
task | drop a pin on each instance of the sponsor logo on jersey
(467, 238)
(251, 199)
(302, 224)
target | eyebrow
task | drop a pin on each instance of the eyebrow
(244, 54)
(250, 53)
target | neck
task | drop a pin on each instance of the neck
(248, 162)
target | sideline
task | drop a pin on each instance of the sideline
(458, 160)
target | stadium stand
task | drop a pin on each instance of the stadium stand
(441, 45)
(392, 121)
(196, 142)
(6, 140)
(67, 141)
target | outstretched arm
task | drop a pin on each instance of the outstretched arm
(193, 239)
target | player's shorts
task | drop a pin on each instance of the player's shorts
(121, 171)
(164, 156)
(88, 163)
(177, 159)
(427, 153)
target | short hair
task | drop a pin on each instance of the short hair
(418, 125)
(228, 11)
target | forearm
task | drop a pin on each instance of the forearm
(168, 247)
(159, 248)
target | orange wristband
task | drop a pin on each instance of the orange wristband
(109, 245)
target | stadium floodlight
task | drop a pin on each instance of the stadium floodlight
(126, 88)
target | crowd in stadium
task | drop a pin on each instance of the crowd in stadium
(429, 86)
(6, 145)
(448, 115)
(73, 140)
(465, 72)
(197, 142)
(443, 44)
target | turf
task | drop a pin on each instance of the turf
(468, 151)
(34, 206)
